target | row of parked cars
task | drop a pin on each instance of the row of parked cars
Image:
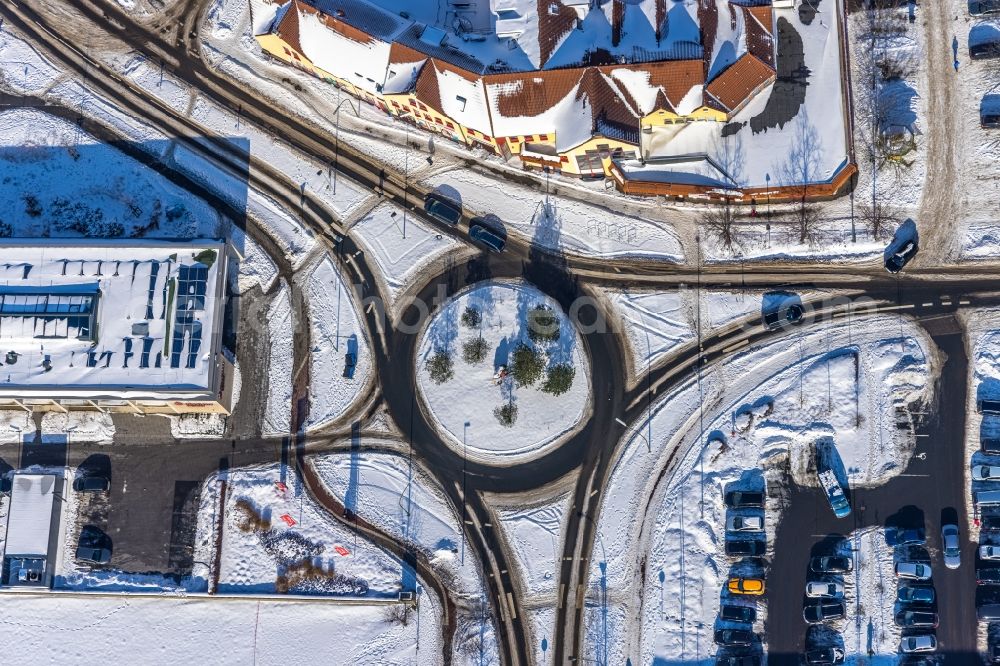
(488, 232)
(985, 475)
(745, 538)
(916, 601)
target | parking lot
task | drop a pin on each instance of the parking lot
(150, 509)
(929, 493)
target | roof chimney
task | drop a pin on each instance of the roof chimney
(617, 19)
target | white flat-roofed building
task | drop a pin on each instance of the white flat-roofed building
(122, 326)
(27, 550)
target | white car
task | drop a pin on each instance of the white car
(986, 472)
(818, 588)
(745, 524)
(921, 643)
(913, 570)
(988, 552)
(951, 546)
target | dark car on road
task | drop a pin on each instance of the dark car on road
(732, 613)
(91, 484)
(912, 619)
(442, 208)
(821, 611)
(829, 655)
(738, 660)
(836, 564)
(746, 548)
(915, 594)
(483, 234)
(743, 499)
(781, 308)
(734, 637)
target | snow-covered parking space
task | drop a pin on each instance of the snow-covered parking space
(764, 410)
(541, 397)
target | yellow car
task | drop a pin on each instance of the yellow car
(754, 586)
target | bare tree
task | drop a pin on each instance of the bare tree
(728, 155)
(800, 169)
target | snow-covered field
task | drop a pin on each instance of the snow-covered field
(59, 181)
(655, 322)
(336, 332)
(63, 629)
(764, 408)
(277, 539)
(401, 249)
(870, 598)
(535, 533)
(464, 405)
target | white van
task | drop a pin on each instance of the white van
(988, 498)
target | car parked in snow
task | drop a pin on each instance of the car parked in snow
(989, 109)
(918, 594)
(744, 499)
(745, 524)
(990, 446)
(989, 552)
(737, 637)
(903, 247)
(951, 546)
(988, 576)
(751, 586)
(986, 472)
(94, 545)
(91, 484)
(916, 619)
(829, 655)
(919, 643)
(913, 570)
(821, 611)
(745, 547)
(733, 613)
(819, 588)
(905, 537)
(831, 564)
(989, 524)
(980, 7)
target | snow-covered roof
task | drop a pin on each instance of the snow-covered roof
(682, 170)
(30, 518)
(127, 319)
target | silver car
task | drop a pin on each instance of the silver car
(989, 552)
(951, 546)
(818, 588)
(986, 472)
(745, 524)
(913, 570)
(921, 643)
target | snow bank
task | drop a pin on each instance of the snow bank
(89, 426)
(336, 332)
(402, 250)
(278, 415)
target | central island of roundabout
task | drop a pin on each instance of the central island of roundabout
(502, 373)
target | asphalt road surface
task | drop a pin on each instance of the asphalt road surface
(916, 498)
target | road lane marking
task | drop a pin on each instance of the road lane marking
(738, 345)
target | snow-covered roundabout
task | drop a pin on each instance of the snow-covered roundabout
(502, 372)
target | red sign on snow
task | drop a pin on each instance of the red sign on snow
(288, 520)
(343, 552)
(282, 488)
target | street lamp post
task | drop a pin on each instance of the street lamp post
(603, 565)
(336, 134)
(465, 461)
